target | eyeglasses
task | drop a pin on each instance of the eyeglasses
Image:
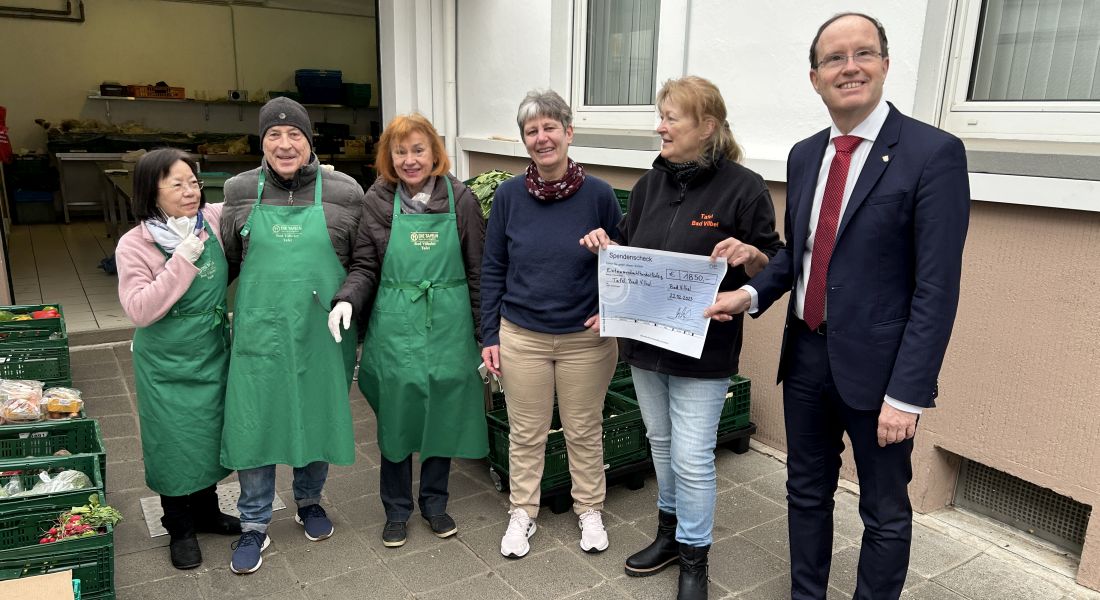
(836, 61)
(178, 187)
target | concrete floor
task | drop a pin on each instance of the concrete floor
(956, 555)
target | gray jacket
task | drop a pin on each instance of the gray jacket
(341, 197)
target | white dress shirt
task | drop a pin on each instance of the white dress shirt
(868, 130)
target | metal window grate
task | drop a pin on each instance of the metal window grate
(1037, 510)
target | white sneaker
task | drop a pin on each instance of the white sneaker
(520, 527)
(593, 535)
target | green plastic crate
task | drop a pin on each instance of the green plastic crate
(44, 360)
(91, 559)
(624, 441)
(89, 464)
(213, 184)
(34, 329)
(357, 95)
(44, 438)
(623, 196)
(735, 412)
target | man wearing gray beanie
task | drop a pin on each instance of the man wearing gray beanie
(288, 227)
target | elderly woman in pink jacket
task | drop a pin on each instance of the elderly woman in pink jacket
(172, 277)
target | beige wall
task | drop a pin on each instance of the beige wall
(50, 67)
(1020, 386)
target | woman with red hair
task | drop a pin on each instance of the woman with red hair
(416, 271)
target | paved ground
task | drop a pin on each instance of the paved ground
(955, 555)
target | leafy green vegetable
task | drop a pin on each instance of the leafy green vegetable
(484, 186)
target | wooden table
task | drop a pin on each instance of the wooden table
(120, 190)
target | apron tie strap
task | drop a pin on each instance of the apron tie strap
(218, 312)
(426, 288)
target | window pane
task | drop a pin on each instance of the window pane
(621, 55)
(1038, 50)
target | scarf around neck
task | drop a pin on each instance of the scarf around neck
(553, 191)
(171, 231)
(414, 204)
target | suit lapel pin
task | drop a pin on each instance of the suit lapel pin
(885, 158)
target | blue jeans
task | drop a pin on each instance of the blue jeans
(681, 420)
(258, 492)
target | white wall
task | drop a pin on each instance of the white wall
(756, 52)
(503, 52)
(50, 67)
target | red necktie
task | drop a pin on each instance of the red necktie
(813, 307)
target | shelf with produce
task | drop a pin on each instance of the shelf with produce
(240, 104)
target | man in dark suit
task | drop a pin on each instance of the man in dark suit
(877, 212)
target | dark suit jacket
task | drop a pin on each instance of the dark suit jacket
(893, 281)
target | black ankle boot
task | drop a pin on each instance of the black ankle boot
(208, 517)
(661, 553)
(184, 550)
(693, 572)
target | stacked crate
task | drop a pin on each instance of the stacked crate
(39, 349)
(734, 428)
(625, 449)
(35, 348)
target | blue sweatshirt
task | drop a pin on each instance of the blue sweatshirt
(534, 271)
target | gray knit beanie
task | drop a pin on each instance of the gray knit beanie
(284, 111)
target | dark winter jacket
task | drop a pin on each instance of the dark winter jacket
(374, 236)
(341, 197)
(723, 200)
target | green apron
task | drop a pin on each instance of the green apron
(180, 365)
(287, 396)
(420, 357)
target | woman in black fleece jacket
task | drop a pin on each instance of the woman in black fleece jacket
(697, 199)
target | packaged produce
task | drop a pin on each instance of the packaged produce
(62, 402)
(19, 400)
(65, 481)
(12, 486)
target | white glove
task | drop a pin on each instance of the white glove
(190, 248)
(340, 314)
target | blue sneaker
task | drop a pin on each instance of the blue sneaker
(315, 521)
(246, 552)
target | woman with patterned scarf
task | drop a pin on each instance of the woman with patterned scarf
(540, 333)
(697, 199)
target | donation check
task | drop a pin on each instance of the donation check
(657, 297)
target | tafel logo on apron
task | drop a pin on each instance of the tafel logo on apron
(286, 233)
(424, 240)
(208, 270)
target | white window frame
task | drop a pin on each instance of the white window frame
(1059, 121)
(569, 40)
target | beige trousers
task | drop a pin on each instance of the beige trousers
(579, 366)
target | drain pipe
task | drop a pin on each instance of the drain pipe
(450, 98)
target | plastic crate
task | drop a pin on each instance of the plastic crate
(157, 91)
(29, 468)
(44, 438)
(623, 196)
(624, 441)
(91, 559)
(357, 94)
(46, 363)
(320, 86)
(34, 329)
(213, 185)
(735, 411)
